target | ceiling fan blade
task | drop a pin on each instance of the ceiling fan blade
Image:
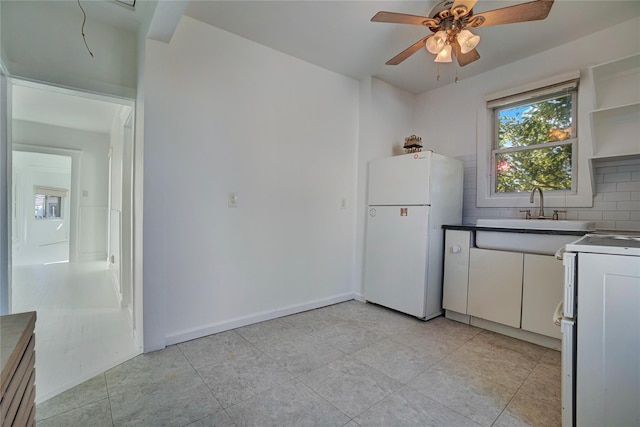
(532, 11)
(464, 58)
(402, 18)
(467, 4)
(408, 51)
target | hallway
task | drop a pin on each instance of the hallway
(80, 330)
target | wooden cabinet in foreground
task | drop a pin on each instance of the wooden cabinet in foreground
(17, 380)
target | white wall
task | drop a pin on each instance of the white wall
(93, 204)
(223, 114)
(386, 118)
(41, 41)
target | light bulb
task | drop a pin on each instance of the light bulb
(436, 43)
(444, 55)
(468, 41)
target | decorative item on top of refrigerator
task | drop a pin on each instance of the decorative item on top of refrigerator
(410, 197)
(412, 144)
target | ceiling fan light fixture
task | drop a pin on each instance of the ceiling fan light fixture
(468, 41)
(444, 55)
(436, 43)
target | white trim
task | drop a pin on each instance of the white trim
(6, 189)
(540, 92)
(214, 328)
(531, 86)
(50, 191)
(64, 90)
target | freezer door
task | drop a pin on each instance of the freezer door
(400, 180)
(395, 258)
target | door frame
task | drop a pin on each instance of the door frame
(5, 188)
(74, 191)
(5, 191)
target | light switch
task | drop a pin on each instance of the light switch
(233, 200)
(85, 193)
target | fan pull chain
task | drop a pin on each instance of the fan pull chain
(438, 68)
(84, 19)
(456, 80)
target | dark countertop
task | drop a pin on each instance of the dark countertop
(473, 227)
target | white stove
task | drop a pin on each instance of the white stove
(607, 243)
(601, 330)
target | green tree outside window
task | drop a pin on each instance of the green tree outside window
(534, 144)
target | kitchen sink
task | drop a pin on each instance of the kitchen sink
(534, 242)
(537, 224)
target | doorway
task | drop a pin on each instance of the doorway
(71, 230)
(41, 208)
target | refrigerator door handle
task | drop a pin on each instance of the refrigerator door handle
(569, 262)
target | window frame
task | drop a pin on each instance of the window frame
(47, 192)
(483, 196)
(543, 93)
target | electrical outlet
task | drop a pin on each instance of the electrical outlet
(343, 203)
(233, 200)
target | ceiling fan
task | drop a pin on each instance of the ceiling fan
(450, 21)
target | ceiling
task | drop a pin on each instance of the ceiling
(61, 109)
(338, 35)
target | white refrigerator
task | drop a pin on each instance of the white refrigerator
(410, 197)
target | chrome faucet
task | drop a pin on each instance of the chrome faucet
(531, 196)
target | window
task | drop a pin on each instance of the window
(48, 202)
(534, 140)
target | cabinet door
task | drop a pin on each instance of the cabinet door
(542, 288)
(495, 286)
(456, 270)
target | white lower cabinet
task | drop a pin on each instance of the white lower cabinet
(542, 290)
(456, 270)
(495, 286)
(520, 290)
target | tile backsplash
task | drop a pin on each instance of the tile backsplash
(616, 202)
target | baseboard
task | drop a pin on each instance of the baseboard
(97, 256)
(115, 283)
(214, 328)
(358, 297)
(520, 334)
(458, 317)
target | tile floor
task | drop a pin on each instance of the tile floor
(350, 364)
(81, 327)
